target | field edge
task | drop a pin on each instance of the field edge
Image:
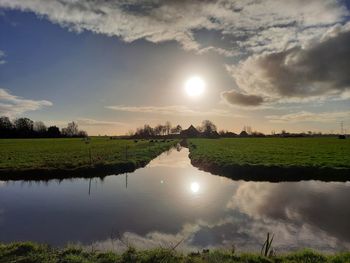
(34, 252)
(97, 170)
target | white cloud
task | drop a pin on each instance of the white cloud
(172, 110)
(305, 116)
(261, 23)
(11, 105)
(220, 51)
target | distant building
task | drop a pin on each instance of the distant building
(190, 132)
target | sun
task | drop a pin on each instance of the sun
(195, 187)
(195, 86)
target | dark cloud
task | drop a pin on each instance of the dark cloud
(304, 71)
(236, 98)
(322, 69)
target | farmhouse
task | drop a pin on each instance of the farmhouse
(190, 132)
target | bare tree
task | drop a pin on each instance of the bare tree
(40, 127)
(158, 129)
(176, 130)
(247, 129)
(71, 130)
(130, 133)
(145, 132)
(167, 127)
(208, 126)
(163, 129)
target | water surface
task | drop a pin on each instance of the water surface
(169, 201)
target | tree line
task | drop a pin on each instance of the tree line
(26, 128)
(207, 128)
(158, 130)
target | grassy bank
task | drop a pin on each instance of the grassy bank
(273, 158)
(31, 252)
(36, 157)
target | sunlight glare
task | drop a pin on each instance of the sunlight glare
(194, 86)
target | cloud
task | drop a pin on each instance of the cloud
(305, 116)
(2, 57)
(218, 50)
(259, 23)
(254, 210)
(154, 239)
(171, 110)
(195, 236)
(236, 98)
(288, 49)
(318, 71)
(277, 204)
(92, 122)
(11, 105)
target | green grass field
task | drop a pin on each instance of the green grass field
(280, 152)
(48, 154)
(31, 253)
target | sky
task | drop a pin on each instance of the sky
(112, 66)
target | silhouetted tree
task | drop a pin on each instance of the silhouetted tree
(6, 127)
(244, 134)
(82, 134)
(145, 132)
(257, 134)
(227, 134)
(5, 123)
(24, 127)
(222, 133)
(53, 132)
